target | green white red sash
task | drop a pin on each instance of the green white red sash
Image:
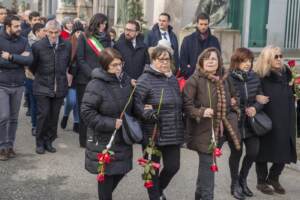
(95, 45)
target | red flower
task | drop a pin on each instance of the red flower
(292, 63)
(142, 161)
(217, 152)
(100, 157)
(155, 165)
(107, 158)
(297, 81)
(148, 184)
(214, 168)
(100, 177)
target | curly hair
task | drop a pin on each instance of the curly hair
(263, 64)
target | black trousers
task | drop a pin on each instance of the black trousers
(263, 173)
(252, 149)
(82, 126)
(47, 118)
(106, 188)
(171, 163)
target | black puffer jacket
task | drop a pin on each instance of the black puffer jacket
(49, 67)
(99, 111)
(148, 91)
(247, 86)
(87, 60)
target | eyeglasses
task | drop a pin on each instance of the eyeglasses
(278, 56)
(163, 60)
(130, 30)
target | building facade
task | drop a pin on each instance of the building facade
(259, 22)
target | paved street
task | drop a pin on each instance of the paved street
(61, 176)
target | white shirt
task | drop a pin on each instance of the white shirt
(165, 33)
(133, 43)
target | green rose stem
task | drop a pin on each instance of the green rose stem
(154, 133)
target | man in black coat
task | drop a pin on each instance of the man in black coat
(51, 60)
(15, 54)
(163, 30)
(133, 50)
(194, 44)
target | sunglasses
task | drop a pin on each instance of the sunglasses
(278, 56)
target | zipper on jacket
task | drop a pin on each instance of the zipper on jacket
(55, 82)
(246, 105)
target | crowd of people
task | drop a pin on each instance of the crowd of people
(96, 74)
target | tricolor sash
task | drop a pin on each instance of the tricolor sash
(96, 46)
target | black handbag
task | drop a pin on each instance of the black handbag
(131, 130)
(260, 123)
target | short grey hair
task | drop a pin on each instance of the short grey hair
(53, 24)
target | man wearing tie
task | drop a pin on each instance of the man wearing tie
(163, 30)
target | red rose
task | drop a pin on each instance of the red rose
(217, 152)
(107, 158)
(100, 157)
(142, 161)
(292, 63)
(148, 184)
(100, 177)
(214, 168)
(155, 165)
(297, 81)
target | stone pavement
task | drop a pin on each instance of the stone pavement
(61, 176)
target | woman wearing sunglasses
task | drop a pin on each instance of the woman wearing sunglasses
(277, 146)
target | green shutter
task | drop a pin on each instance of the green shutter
(258, 21)
(236, 14)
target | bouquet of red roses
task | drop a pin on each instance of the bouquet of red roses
(295, 77)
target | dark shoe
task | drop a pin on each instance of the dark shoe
(3, 155)
(265, 188)
(33, 131)
(76, 127)
(40, 150)
(11, 153)
(236, 191)
(276, 185)
(50, 148)
(63, 123)
(245, 188)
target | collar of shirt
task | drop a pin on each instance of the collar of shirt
(166, 33)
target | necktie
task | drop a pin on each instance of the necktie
(164, 34)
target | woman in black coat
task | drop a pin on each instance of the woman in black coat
(279, 145)
(87, 59)
(104, 99)
(247, 86)
(146, 101)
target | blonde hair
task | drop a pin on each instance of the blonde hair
(263, 64)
